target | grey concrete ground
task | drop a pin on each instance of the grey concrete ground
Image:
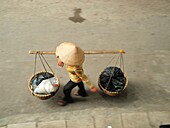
(98, 118)
(141, 28)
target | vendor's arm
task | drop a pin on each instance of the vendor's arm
(84, 78)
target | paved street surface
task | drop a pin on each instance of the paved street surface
(141, 28)
(89, 119)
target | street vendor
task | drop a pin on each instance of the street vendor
(73, 57)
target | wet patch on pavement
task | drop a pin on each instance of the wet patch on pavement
(77, 18)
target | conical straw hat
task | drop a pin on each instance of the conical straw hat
(70, 54)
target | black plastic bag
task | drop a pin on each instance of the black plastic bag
(113, 79)
(43, 76)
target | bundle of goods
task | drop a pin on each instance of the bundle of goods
(44, 85)
(112, 81)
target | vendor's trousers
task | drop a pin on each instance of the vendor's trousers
(68, 88)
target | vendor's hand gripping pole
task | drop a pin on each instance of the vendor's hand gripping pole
(86, 52)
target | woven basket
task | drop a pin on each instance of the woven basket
(42, 96)
(111, 93)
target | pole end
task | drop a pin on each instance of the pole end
(121, 51)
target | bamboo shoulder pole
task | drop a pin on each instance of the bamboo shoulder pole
(104, 51)
(86, 52)
(42, 52)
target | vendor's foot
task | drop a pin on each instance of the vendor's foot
(62, 103)
(77, 94)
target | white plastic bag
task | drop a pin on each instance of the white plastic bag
(47, 86)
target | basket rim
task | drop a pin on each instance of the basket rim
(42, 95)
(112, 93)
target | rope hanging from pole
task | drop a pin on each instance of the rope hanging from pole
(113, 80)
(45, 76)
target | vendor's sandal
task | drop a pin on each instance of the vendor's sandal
(62, 103)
